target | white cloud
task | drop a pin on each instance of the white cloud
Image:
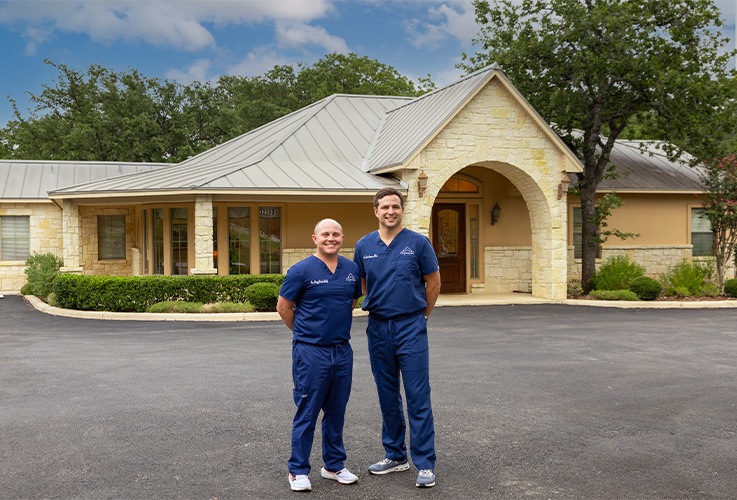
(35, 37)
(450, 19)
(296, 35)
(178, 24)
(258, 62)
(198, 71)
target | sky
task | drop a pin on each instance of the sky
(188, 40)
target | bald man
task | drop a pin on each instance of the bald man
(316, 302)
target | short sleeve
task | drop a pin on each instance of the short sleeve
(428, 259)
(293, 285)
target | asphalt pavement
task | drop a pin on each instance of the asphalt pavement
(530, 401)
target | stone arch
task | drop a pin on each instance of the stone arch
(538, 187)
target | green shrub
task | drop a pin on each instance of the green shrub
(41, 270)
(730, 287)
(138, 293)
(646, 288)
(359, 304)
(614, 295)
(575, 290)
(228, 307)
(175, 307)
(687, 279)
(26, 289)
(263, 296)
(617, 273)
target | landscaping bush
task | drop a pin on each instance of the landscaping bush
(687, 279)
(138, 293)
(263, 296)
(730, 287)
(617, 273)
(41, 270)
(175, 307)
(614, 295)
(575, 290)
(646, 288)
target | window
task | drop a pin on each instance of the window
(215, 237)
(179, 261)
(110, 237)
(578, 235)
(269, 234)
(15, 237)
(458, 185)
(157, 240)
(239, 240)
(702, 237)
(474, 226)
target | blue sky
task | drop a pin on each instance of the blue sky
(188, 40)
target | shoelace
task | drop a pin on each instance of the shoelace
(426, 473)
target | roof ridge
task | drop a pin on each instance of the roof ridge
(489, 68)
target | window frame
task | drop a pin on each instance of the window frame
(18, 254)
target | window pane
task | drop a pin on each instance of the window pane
(158, 240)
(577, 228)
(239, 240)
(110, 237)
(269, 227)
(215, 237)
(179, 264)
(15, 237)
(145, 242)
(474, 223)
(702, 236)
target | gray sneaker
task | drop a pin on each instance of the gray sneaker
(425, 479)
(387, 465)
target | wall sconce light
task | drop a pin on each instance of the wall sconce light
(495, 213)
(563, 185)
(422, 183)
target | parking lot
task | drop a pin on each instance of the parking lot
(530, 401)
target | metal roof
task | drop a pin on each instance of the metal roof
(642, 166)
(406, 128)
(32, 179)
(320, 147)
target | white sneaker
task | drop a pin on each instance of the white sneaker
(343, 476)
(300, 482)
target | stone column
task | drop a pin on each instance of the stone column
(71, 237)
(203, 235)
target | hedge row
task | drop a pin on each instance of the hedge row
(138, 293)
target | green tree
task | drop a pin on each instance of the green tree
(590, 66)
(720, 207)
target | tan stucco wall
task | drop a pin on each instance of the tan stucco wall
(45, 236)
(357, 220)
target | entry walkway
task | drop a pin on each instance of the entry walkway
(444, 300)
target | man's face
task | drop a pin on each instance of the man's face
(328, 238)
(389, 212)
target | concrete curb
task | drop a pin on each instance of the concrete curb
(455, 300)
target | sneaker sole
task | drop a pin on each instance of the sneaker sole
(335, 478)
(428, 485)
(300, 489)
(396, 468)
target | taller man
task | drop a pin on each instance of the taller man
(401, 282)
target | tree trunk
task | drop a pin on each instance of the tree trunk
(589, 236)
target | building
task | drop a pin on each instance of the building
(484, 177)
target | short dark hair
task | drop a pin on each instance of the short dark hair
(387, 192)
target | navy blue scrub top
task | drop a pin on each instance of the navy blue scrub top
(394, 273)
(323, 300)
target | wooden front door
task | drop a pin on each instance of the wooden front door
(449, 242)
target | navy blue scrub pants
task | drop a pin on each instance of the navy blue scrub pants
(322, 381)
(400, 347)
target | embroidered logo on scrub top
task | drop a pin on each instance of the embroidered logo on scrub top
(350, 277)
(407, 251)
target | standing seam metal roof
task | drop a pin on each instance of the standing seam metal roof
(321, 146)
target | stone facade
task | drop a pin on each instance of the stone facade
(507, 269)
(497, 131)
(290, 256)
(45, 237)
(88, 255)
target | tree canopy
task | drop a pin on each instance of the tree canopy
(104, 115)
(590, 67)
